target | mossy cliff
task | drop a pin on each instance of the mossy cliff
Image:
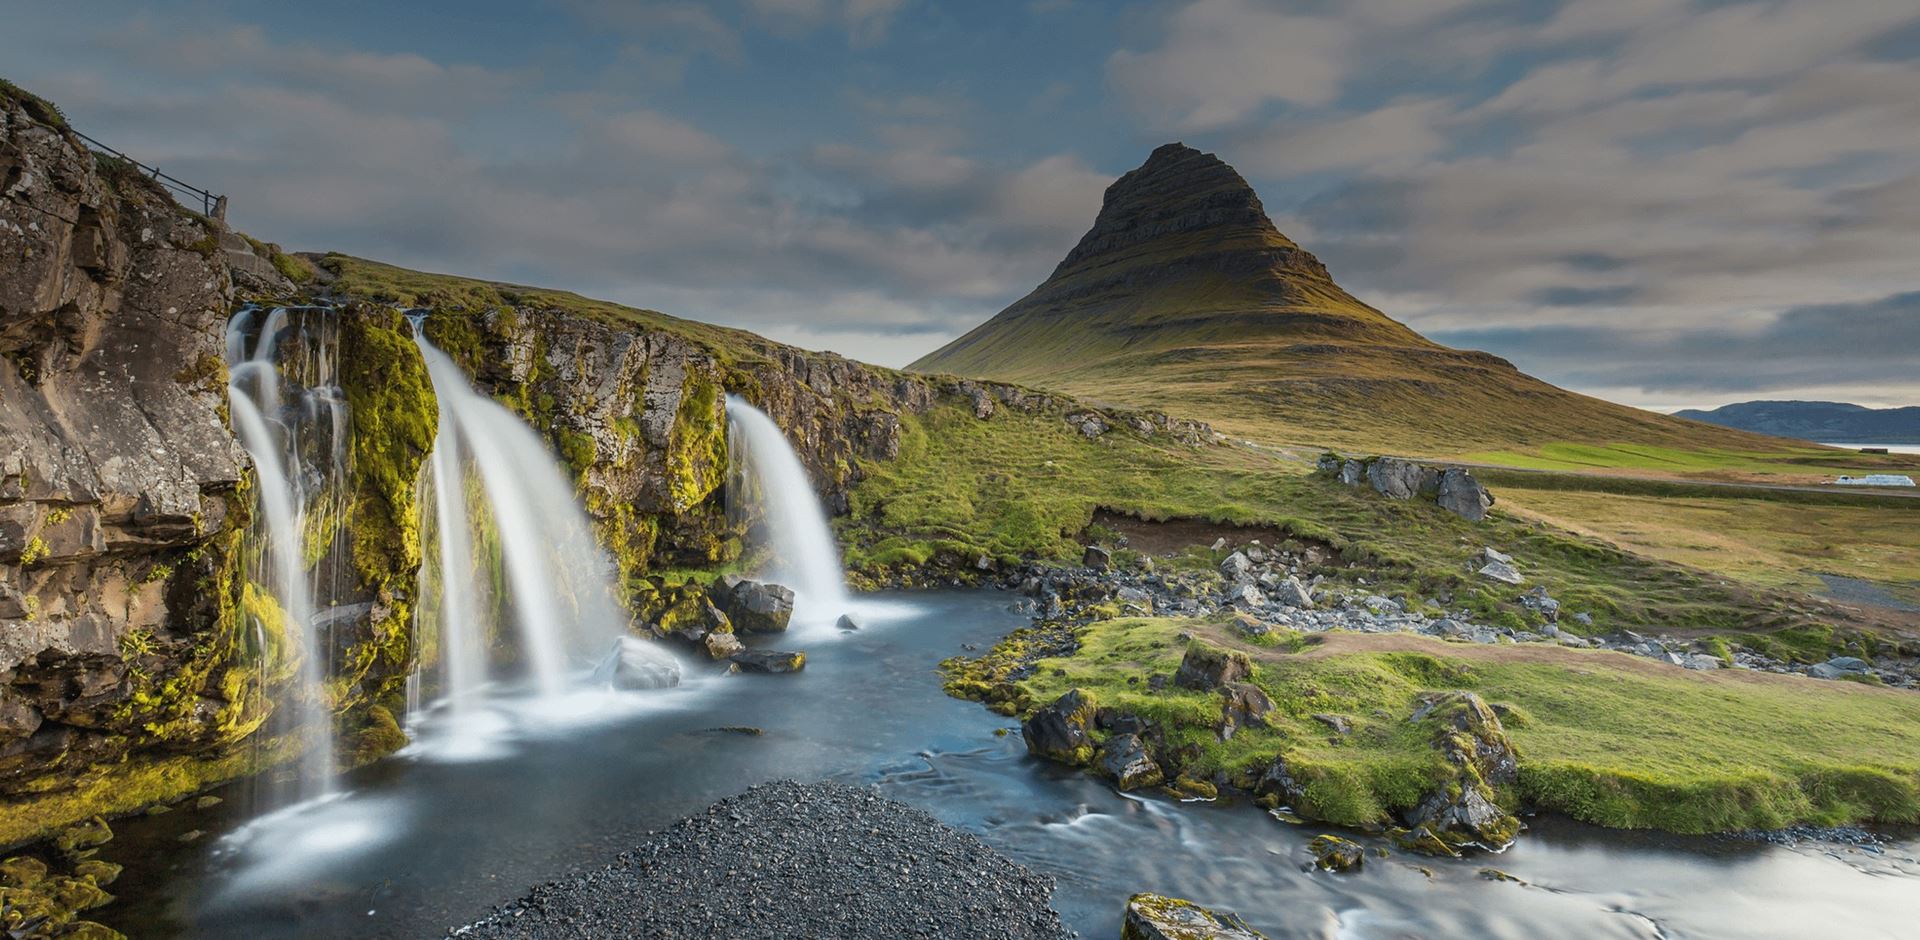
(122, 493)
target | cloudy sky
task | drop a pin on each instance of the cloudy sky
(1665, 202)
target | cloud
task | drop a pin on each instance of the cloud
(1222, 60)
(1851, 345)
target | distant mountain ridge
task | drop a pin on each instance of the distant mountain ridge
(1184, 297)
(1834, 421)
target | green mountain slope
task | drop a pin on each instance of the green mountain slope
(1184, 297)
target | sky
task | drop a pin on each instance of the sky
(1669, 203)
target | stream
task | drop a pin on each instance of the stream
(432, 837)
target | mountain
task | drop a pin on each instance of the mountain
(1817, 421)
(1183, 296)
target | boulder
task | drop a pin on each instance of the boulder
(1133, 600)
(1292, 593)
(1243, 705)
(1247, 597)
(1207, 667)
(1847, 665)
(1219, 544)
(1402, 479)
(757, 606)
(768, 661)
(1158, 917)
(1461, 494)
(636, 664)
(1332, 853)
(847, 622)
(1059, 731)
(1097, 558)
(1503, 572)
(722, 645)
(1237, 567)
(1278, 784)
(1124, 758)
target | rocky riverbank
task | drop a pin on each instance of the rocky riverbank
(785, 860)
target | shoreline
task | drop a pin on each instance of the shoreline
(785, 859)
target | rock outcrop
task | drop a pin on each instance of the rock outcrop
(119, 482)
(1451, 488)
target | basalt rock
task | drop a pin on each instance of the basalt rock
(1059, 731)
(758, 607)
(1242, 705)
(1334, 854)
(1124, 758)
(1158, 917)
(1451, 488)
(1463, 808)
(769, 661)
(1209, 667)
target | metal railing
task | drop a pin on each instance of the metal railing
(212, 205)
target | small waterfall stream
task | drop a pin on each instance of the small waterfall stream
(290, 415)
(805, 557)
(555, 582)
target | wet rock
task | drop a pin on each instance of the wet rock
(75, 840)
(1278, 784)
(847, 622)
(1209, 667)
(1059, 731)
(1097, 558)
(1158, 917)
(769, 661)
(1332, 853)
(1423, 841)
(757, 606)
(635, 664)
(1124, 758)
(722, 645)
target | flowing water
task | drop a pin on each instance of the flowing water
(292, 418)
(770, 483)
(418, 844)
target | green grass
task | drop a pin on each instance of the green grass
(1022, 485)
(1788, 464)
(1602, 737)
(373, 280)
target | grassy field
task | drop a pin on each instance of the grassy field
(1602, 737)
(1027, 485)
(1774, 542)
(1790, 464)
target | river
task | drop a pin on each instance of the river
(430, 838)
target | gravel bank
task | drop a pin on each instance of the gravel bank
(786, 860)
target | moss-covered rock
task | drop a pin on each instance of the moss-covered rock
(1158, 917)
(1332, 853)
(1062, 731)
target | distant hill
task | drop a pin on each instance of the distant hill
(1184, 296)
(1817, 421)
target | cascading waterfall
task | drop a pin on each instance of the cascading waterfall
(291, 417)
(553, 577)
(805, 557)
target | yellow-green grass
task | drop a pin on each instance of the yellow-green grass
(1021, 485)
(372, 280)
(1773, 542)
(1790, 463)
(1603, 737)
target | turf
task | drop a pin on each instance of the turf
(1020, 485)
(1602, 737)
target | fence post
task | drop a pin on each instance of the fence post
(220, 209)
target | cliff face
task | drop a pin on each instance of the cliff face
(119, 482)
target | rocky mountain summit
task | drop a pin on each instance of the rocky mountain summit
(1184, 296)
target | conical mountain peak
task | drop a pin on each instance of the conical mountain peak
(1178, 192)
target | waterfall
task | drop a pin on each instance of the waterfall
(291, 417)
(805, 557)
(555, 579)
